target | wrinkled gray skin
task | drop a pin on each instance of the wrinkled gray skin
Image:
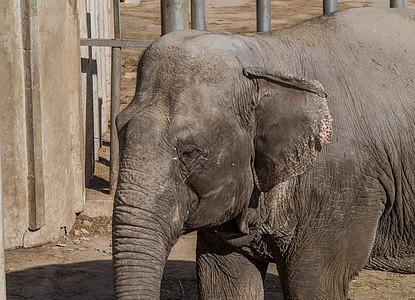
(295, 147)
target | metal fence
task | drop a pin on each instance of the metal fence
(174, 16)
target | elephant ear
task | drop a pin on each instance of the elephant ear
(292, 123)
(127, 114)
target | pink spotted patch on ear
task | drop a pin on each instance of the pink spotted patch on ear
(326, 129)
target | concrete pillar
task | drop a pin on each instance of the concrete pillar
(13, 121)
(174, 15)
(263, 15)
(397, 3)
(41, 121)
(329, 6)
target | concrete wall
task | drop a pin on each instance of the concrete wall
(41, 115)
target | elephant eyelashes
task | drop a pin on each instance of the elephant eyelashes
(190, 155)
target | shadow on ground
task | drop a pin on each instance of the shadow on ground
(93, 280)
(86, 280)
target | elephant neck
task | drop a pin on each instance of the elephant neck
(268, 223)
(271, 213)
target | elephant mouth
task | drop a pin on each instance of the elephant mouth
(230, 234)
(236, 239)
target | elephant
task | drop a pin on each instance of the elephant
(294, 147)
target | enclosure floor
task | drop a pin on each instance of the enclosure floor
(79, 267)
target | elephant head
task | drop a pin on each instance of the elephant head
(206, 125)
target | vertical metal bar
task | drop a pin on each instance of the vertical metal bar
(115, 109)
(117, 27)
(329, 6)
(198, 15)
(2, 262)
(397, 3)
(263, 15)
(174, 15)
(115, 100)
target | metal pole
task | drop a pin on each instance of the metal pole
(329, 6)
(2, 262)
(263, 15)
(397, 3)
(198, 15)
(115, 110)
(174, 15)
(117, 27)
(115, 100)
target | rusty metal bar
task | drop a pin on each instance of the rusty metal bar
(174, 15)
(263, 15)
(115, 100)
(198, 18)
(397, 3)
(329, 6)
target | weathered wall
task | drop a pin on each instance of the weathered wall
(13, 124)
(42, 119)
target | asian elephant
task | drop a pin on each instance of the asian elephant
(295, 147)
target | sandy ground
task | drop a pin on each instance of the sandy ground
(78, 266)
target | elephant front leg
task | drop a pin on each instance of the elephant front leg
(225, 274)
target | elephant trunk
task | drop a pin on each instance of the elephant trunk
(145, 226)
(139, 255)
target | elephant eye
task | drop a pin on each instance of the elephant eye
(190, 155)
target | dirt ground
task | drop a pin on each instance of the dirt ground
(78, 265)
